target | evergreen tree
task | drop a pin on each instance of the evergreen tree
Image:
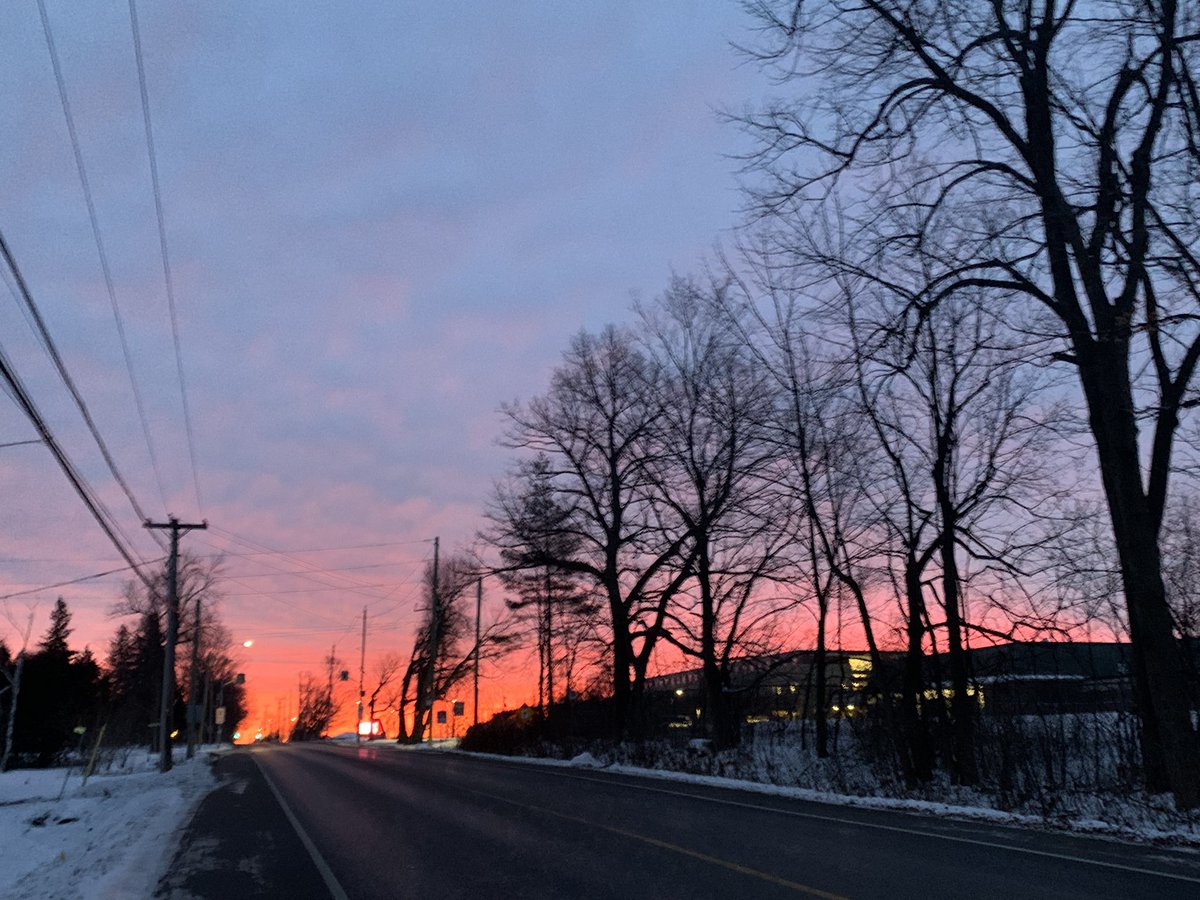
(548, 597)
(54, 644)
(61, 692)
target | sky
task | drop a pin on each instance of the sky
(384, 220)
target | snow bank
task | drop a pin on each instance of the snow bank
(106, 840)
(585, 760)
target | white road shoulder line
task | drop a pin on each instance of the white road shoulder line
(331, 882)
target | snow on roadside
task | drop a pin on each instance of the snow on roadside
(107, 840)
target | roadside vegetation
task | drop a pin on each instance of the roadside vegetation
(937, 398)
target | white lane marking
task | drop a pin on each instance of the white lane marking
(617, 780)
(331, 882)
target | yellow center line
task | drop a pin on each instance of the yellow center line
(675, 848)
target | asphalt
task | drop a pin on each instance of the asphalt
(240, 845)
(424, 824)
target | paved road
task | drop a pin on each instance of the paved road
(388, 824)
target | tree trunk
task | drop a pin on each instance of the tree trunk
(716, 709)
(622, 696)
(1170, 750)
(12, 712)
(917, 746)
(962, 704)
(963, 769)
(820, 683)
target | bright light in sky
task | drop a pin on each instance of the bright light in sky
(249, 643)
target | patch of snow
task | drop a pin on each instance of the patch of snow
(585, 760)
(440, 744)
(109, 839)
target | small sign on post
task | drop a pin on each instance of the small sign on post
(219, 715)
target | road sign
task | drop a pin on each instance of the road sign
(219, 715)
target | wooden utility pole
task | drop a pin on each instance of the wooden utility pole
(431, 677)
(168, 676)
(478, 609)
(549, 644)
(362, 671)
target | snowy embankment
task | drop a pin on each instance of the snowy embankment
(111, 838)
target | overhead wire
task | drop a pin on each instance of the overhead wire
(313, 590)
(52, 349)
(84, 182)
(287, 603)
(387, 565)
(331, 549)
(311, 567)
(162, 243)
(94, 504)
(48, 587)
(311, 576)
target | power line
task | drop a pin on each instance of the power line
(48, 587)
(332, 549)
(95, 506)
(352, 584)
(313, 590)
(104, 266)
(162, 243)
(65, 376)
(280, 574)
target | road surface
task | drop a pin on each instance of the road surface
(381, 823)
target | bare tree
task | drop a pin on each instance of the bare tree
(1081, 181)
(595, 426)
(712, 470)
(385, 673)
(952, 416)
(316, 706)
(199, 579)
(444, 646)
(823, 452)
(1181, 556)
(536, 529)
(12, 670)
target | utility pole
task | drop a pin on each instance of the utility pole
(193, 710)
(362, 671)
(478, 608)
(168, 678)
(332, 663)
(549, 645)
(431, 678)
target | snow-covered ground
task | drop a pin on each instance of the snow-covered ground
(107, 840)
